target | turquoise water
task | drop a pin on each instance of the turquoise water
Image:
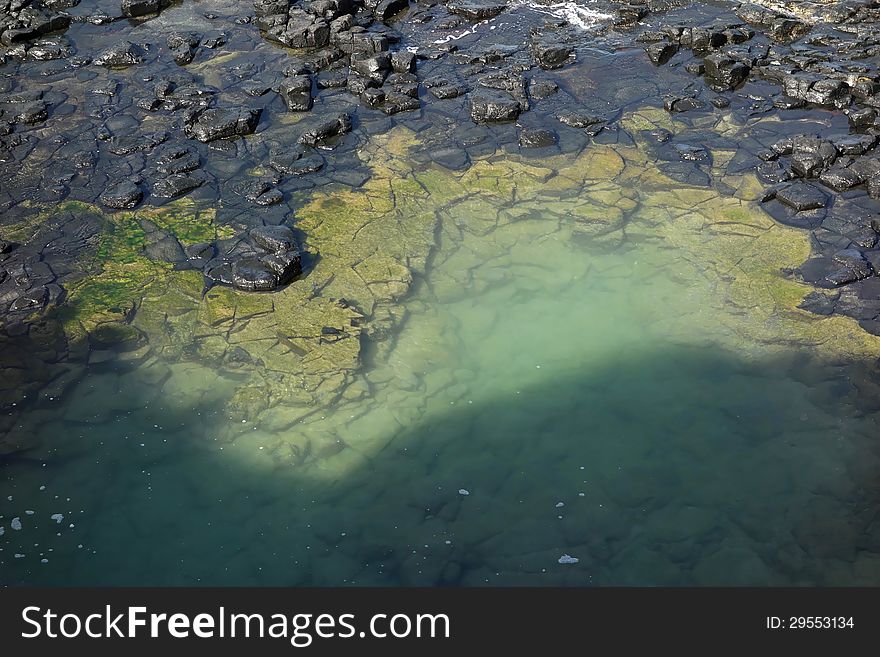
(550, 397)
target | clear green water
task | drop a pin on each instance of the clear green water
(614, 399)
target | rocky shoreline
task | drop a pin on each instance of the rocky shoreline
(165, 167)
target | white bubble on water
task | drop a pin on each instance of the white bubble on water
(567, 558)
(16, 523)
(463, 491)
(57, 517)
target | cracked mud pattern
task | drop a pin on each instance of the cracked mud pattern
(380, 295)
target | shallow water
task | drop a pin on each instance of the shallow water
(616, 385)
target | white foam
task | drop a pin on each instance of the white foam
(574, 12)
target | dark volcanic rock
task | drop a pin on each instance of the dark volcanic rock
(840, 178)
(339, 125)
(548, 51)
(477, 10)
(219, 123)
(801, 196)
(296, 92)
(537, 138)
(135, 8)
(124, 53)
(661, 52)
(267, 258)
(175, 185)
(493, 109)
(122, 195)
(854, 267)
(722, 72)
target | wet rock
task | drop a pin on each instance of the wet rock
(176, 185)
(678, 105)
(814, 88)
(691, 153)
(661, 52)
(579, 119)
(548, 52)
(339, 125)
(296, 92)
(160, 245)
(840, 178)
(862, 118)
(403, 61)
(541, 89)
(537, 138)
(124, 53)
(801, 196)
(220, 123)
(493, 109)
(30, 113)
(200, 254)
(444, 89)
(373, 97)
(811, 155)
(387, 9)
(177, 159)
(267, 258)
(396, 101)
(853, 145)
(723, 72)
(854, 267)
(122, 195)
(182, 46)
(135, 8)
(476, 10)
(374, 68)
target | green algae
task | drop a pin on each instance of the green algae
(302, 346)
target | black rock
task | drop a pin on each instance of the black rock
(373, 97)
(549, 53)
(476, 10)
(537, 138)
(579, 119)
(374, 68)
(175, 185)
(840, 178)
(396, 101)
(862, 118)
(855, 267)
(675, 104)
(661, 52)
(296, 92)
(722, 72)
(160, 245)
(691, 153)
(386, 9)
(120, 55)
(811, 155)
(122, 195)
(273, 238)
(220, 123)
(493, 109)
(266, 259)
(135, 8)
(339, 125)
(403, 61)
(801, 196)
(541, 89)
